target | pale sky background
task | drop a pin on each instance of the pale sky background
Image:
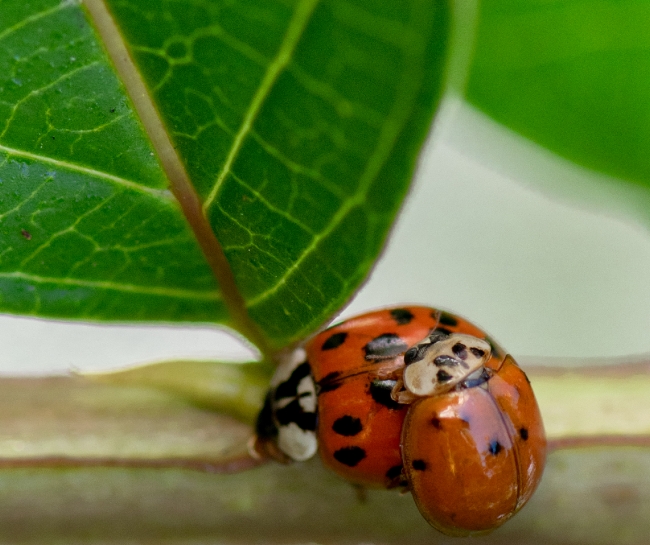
(477, 236)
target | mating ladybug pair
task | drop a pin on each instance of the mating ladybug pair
(415, 398)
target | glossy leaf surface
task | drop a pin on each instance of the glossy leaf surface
(89, 230)
(298, 124)
(571, 76)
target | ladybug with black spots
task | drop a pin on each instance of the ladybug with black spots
(417, 398)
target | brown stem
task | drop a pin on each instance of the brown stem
(205, 466)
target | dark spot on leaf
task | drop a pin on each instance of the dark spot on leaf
(443, 376)
(419, 465)
(26, 234)
(350, 456)
(334, 341)
(347, 425)
(523, 433)
(448, 319)
(401, 316)
(495, 447)
(380, 391)
(112, 110)
(385, 346)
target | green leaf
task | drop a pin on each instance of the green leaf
(88, 229)
(571, 76)
(293, 127)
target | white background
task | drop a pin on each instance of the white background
(477, 236)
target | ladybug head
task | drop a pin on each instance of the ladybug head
(436, 367)
(417, 352)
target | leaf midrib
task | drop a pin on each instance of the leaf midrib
(179, 181)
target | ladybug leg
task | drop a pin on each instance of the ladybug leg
(401, 395)
(263, 449)
(400, 483)
(361, 492)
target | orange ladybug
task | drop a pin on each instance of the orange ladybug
(365, 394)
(353, 365)
(473, 443)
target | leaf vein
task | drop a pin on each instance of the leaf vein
(297, 168)
(36, 17)
(39, 90)
(113, 286)
(158, 193)
(394, 123)
(295, 30)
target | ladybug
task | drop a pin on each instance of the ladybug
(397, 398)
(473, 443)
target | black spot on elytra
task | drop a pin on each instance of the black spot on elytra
(380, 391)
(329, 382)
(347, 425)
(436, 423)
(385, 346)
(443, 376)
(448, 319)
(477, 352)
(394, 472)
(460, 350)
(495, 447)
(419, 465)
(349, 456)
(334, 341)
(293, 412)
(442, 330)
(265, 425)
(401, 315)
(289, 388)
(523, 433)
(446, 361)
